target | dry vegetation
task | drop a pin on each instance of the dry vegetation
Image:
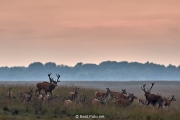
(14, 109)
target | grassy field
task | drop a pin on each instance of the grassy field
(14, 109)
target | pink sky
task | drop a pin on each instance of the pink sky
(71, 31)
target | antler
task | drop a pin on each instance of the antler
(51, 79)
(58, 76)
(49, 74)
(151, 86)
(143, 87)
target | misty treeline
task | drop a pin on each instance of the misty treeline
(107, 70)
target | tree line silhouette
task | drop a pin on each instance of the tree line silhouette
(107, 70)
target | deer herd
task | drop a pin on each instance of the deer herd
(100, 98)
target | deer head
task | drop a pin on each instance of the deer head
(109, 93)
(172, 98)
(55, 82)
(124, 91)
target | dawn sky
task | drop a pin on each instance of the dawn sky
(91, 31)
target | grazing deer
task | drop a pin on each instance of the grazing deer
(118, 94)
(73, 95)
(9, 92)
(125, 102)
(27, 95)
(47, 87)
(152, 98)
(167, 102)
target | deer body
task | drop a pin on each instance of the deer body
(106, 94)
(69, 103)
(118, 94)
(99, 101)
(125, 102)
(47, 87)
(96, 102)
(167, 102)
(100, 94)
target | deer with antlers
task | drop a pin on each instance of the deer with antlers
(152, 98)
(167, 102)
(48, 87)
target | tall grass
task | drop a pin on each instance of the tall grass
(14, 109)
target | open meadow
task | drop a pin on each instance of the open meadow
(15, 109)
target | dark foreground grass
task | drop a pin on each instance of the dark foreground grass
(14, 109)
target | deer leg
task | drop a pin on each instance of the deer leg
(148, 103)
(38, 90)
(51, 93)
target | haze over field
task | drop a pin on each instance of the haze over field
(105, 71)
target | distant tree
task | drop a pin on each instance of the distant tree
(80, 64)
(50, 65)
(36, 65)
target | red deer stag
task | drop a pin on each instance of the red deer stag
(167, 102)
(152, 98)
(47, 87)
